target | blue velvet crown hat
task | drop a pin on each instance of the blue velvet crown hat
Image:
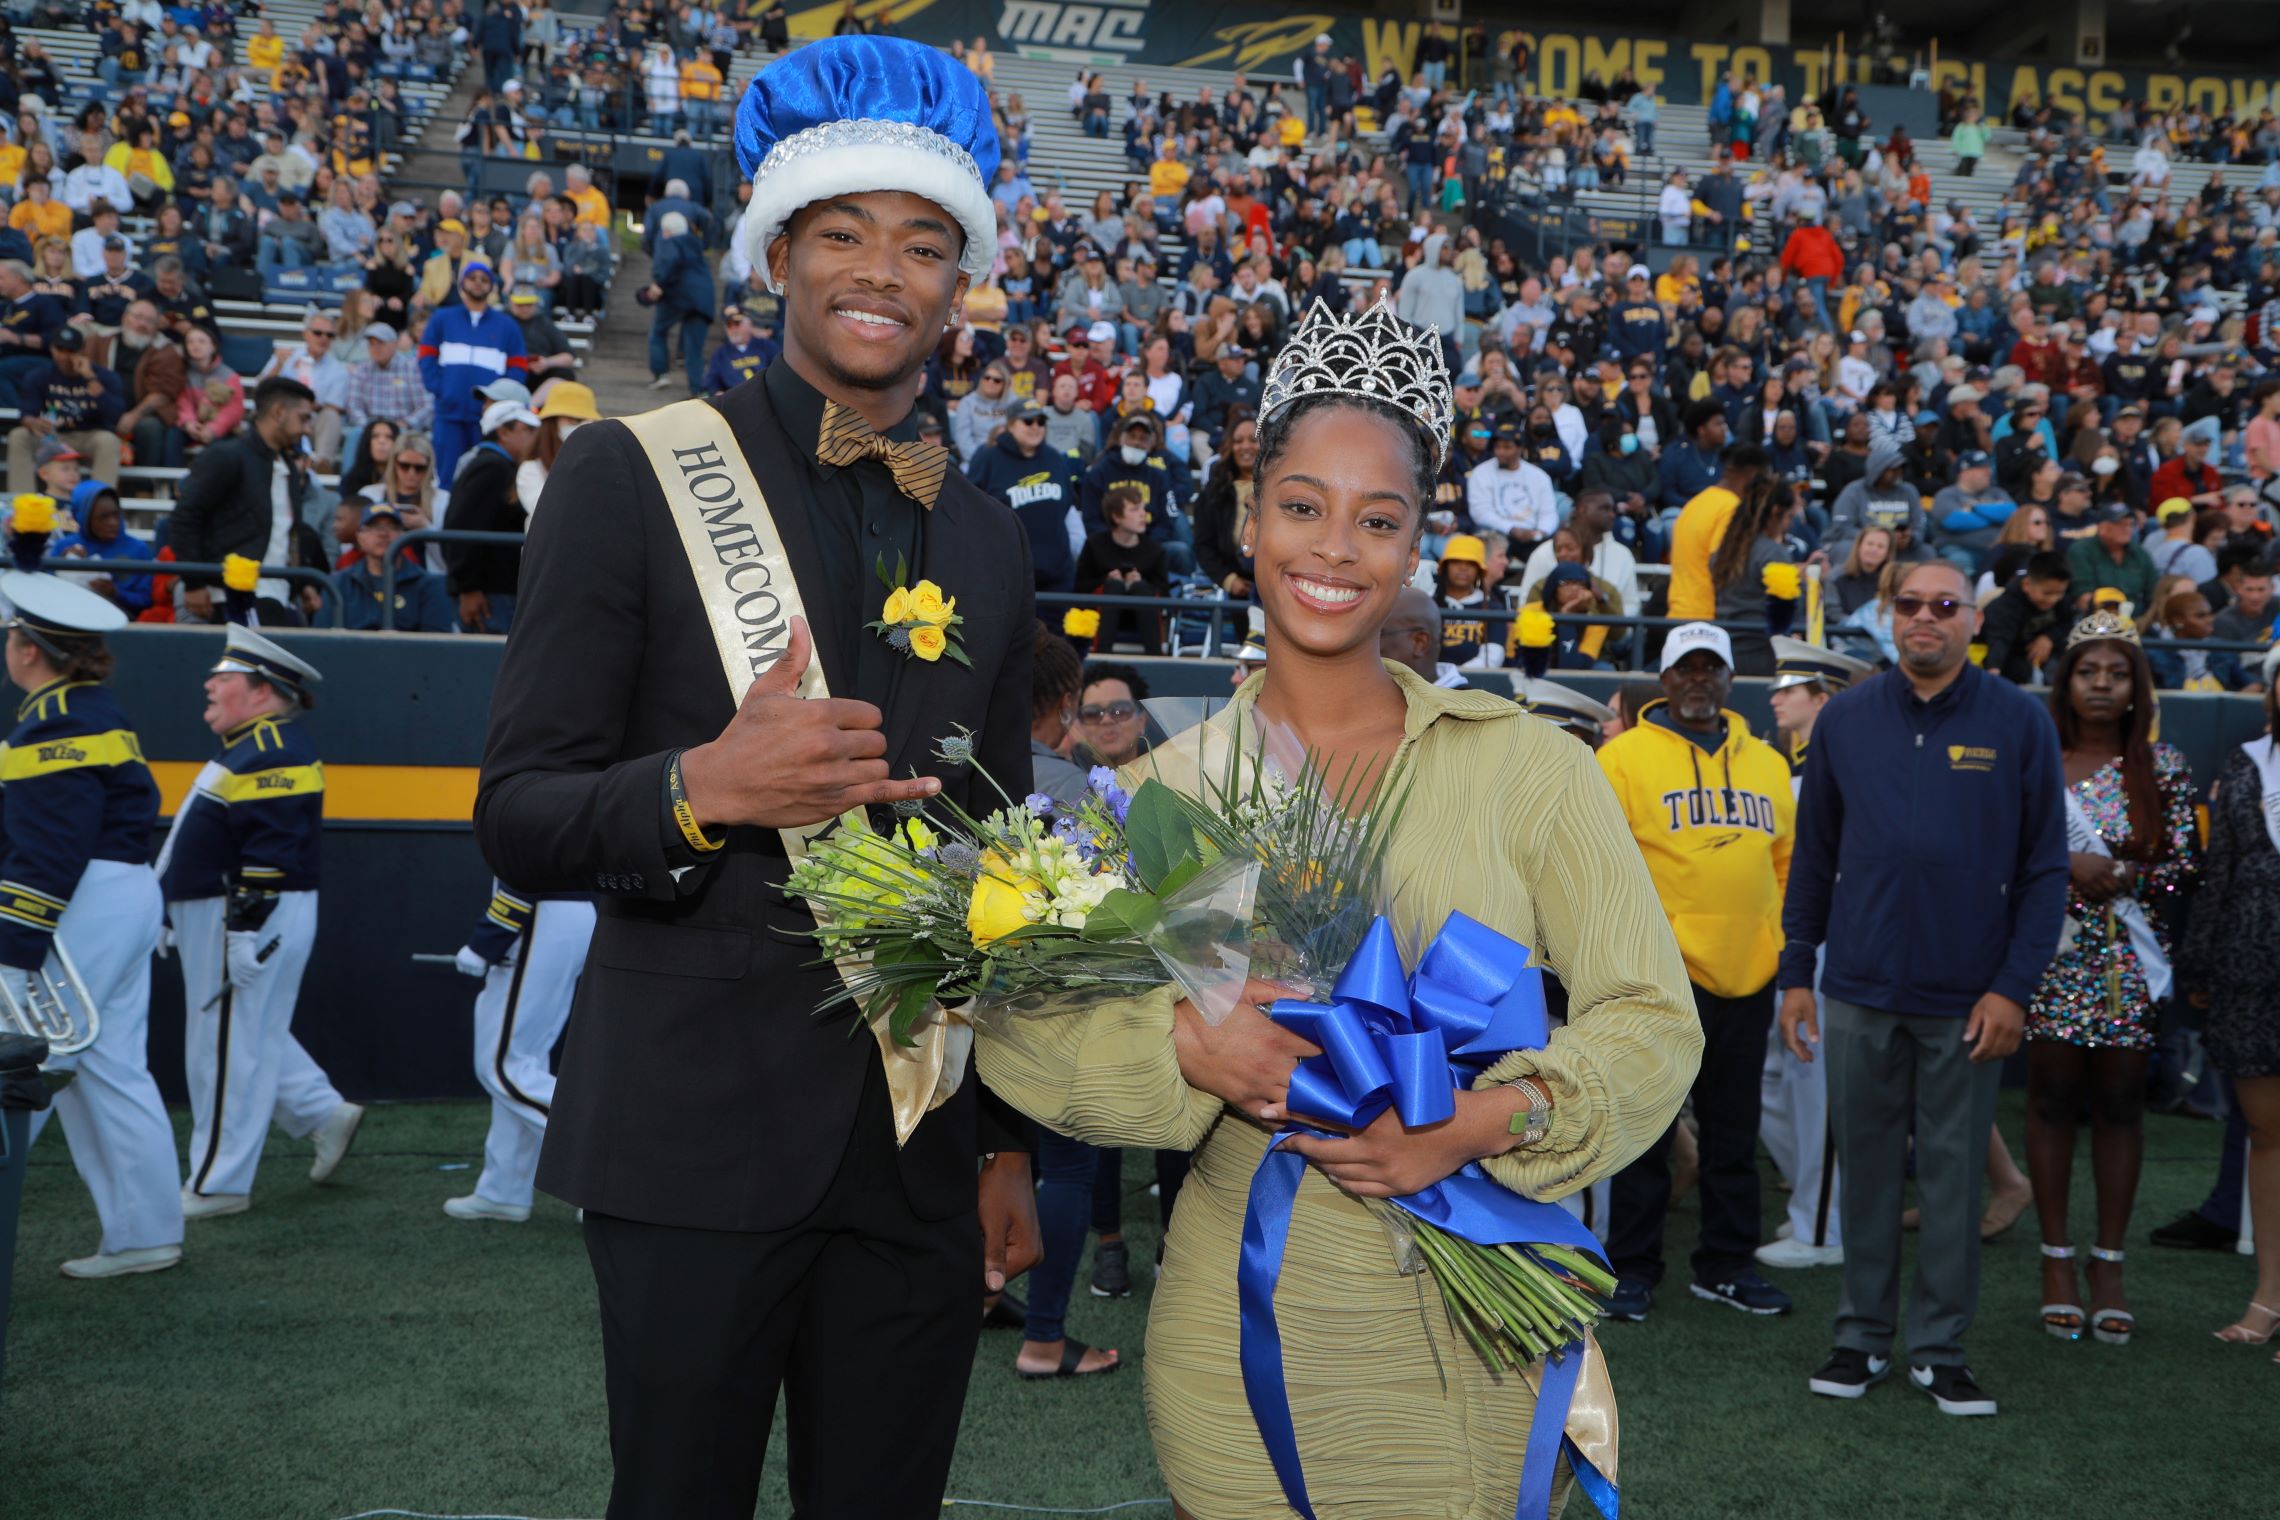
(857, 114)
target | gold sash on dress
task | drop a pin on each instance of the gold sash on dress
(750, 598)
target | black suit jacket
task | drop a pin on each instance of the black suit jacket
(699, 1087)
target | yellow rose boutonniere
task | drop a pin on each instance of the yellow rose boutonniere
(927, 604)
(918, 620)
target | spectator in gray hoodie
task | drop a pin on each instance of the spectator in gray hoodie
(1433, 295)
(1884, 497)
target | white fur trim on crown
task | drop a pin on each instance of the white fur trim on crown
(843, 158)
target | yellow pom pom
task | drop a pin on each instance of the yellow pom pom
(1536, 628)
(33, 513)
(1081, 622)
(1783, 581)
(240, 573)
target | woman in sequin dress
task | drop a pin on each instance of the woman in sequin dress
(2131, 839)
(2231, 967)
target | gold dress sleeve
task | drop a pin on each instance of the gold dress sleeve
(1107, 1075)
(1619, 1070)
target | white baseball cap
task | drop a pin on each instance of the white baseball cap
(499, 413)
(1684, 641)
(1101, 332)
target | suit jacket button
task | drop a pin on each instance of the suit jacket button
(634, 882)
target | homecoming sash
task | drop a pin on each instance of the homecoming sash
(2083, 836)
(2266, 753)
(750, 597)
(1391, 1040)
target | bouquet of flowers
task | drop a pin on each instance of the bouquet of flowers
(1041, 908)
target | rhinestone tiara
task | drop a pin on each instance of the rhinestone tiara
(1375, 357)
(2105, 623)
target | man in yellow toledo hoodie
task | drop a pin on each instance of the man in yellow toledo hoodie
(1711, 808)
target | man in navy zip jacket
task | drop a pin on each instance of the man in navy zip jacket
(1931, 860)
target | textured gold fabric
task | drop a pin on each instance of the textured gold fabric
(918, 468)
(1509, 820)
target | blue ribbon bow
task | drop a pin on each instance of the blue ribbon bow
(1407, 1042)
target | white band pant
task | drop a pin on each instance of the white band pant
(243, 1064)
(121, 1139)
(518, 1016)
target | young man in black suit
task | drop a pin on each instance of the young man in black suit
(769, 1203)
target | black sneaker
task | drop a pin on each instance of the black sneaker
(1112, 1270)
(2191, 1232)
(1848, 1373)
(1745, 1291)
(1953, 1389)
(1632, 1298)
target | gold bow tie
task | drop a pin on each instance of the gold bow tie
(918, 468)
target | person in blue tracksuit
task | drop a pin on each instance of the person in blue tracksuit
(77, 808)
(528, 951)
(1043, 487)
(462, 347)
(240, 871)
(1931, 862)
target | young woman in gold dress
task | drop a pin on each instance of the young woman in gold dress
(1508, 820)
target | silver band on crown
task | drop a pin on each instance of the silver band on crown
(1374, 357)
(865, 132)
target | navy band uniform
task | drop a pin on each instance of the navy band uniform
(240, 872)
(77, 809)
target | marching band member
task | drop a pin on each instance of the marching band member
(240, 875)
(528, 951)
(1793, 1096)
(77, 808)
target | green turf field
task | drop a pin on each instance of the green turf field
(349, 1348)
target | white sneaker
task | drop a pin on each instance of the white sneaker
(1797, 1253)
(661, 383)
(1784, 1230)
(214, 1205)
(124, 1263)
(476, 1206)
(333, 1138)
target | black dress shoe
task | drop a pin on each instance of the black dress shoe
(2190, 1232)
(1008, 1313)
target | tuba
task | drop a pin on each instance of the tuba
(50, 1004)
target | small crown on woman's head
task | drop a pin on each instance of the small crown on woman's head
(2104, 623)
(1374, 356)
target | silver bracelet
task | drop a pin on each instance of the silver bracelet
(1534, 1122)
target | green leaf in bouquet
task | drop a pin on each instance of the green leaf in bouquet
(909, 1008)
(1180, 875)
(1122, 915)
(1159, 834)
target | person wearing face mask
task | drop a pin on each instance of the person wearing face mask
(568, 407)
(1622, 467)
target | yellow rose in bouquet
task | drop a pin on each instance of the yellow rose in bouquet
(928, 642)
(898, 607)
(1004, 901)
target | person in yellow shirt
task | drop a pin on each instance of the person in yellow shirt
(11, 163)
(1292, 131)
(1701, 523)
(1167, 176)
(439, 277)
(700, 93)
(1683, 275)
(265, 50)
(1710, 806)
(593, 206)
(149, 177)
(39, 214)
